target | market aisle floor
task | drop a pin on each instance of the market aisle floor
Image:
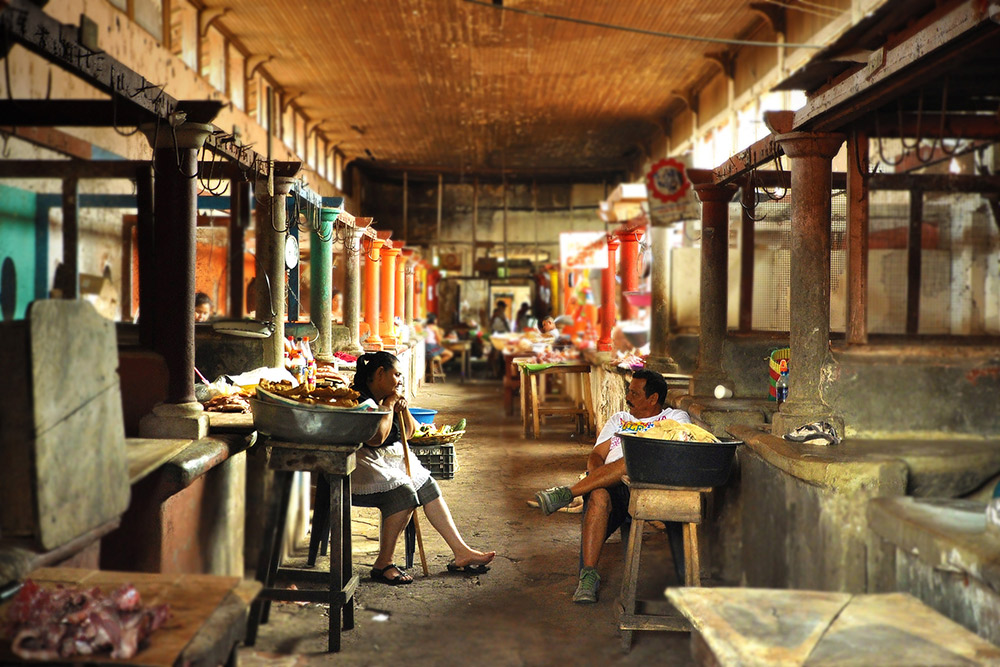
(521, 612)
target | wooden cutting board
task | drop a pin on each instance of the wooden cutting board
(192, 599)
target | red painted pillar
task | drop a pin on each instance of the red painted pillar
(388, 296)
(401, 261)
(373, 251)
(433, 275)
(629, 270)
(608, 298)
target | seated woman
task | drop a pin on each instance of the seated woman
(380, 479)
(432, 344)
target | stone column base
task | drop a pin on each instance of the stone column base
(175, 420)
(661, 365)
(793, 414)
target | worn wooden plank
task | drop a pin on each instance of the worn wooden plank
(144, 455)
(683, 506)
(331, 460)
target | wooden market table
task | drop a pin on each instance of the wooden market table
(207, 613)
(335, 463)
(533, 405)
(753, 626)
(462, 349)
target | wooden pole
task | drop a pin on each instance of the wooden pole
(416, 522)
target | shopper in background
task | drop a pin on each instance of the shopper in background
(523, 318)
(337, 306)
(203, 307)
(432, 344)
(499, 322)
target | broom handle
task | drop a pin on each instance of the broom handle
(416, 522)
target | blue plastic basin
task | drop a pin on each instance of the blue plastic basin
(423, 415)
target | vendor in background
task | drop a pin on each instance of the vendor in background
(523, 318)
(548, 327)
(380, 478)
(203, 307)
(337, 306)
(432, 344)
(499, 323)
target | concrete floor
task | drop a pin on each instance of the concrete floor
(521, 612)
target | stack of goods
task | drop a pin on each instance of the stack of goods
(668, 429)
(63, 624)
(330, 394)
(328, 373)
(231, 402)
(555, 357)
(630, 361)
(346, 359)
(435, 448)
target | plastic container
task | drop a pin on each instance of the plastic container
(774, 363)
(423, 415)
(676, 462)
(438, 459)
(781, 386)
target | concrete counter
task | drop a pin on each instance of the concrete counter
(945, 556)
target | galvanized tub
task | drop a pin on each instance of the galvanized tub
(315, 423)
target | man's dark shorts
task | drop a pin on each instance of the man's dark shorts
(619, 507)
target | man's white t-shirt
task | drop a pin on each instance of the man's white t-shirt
(614, 424)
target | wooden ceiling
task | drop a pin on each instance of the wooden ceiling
(464, 88)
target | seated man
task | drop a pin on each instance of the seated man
(606, 497)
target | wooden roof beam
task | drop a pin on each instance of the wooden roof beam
(893, 71)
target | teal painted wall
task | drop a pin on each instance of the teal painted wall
(18, 242)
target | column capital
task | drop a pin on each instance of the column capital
(613, 242)
(390, 252)
(811, 144)
(628, 235)
(714, 192)
(187, 135)
(372, 245)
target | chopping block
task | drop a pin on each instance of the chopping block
(62, 436)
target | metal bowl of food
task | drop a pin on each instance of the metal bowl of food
(316, 424)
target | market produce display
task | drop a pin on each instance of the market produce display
(329, 394)
(668, 429)
(63, 623)
(432, 433)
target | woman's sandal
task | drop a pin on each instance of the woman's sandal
(378, 574)
(471, 568)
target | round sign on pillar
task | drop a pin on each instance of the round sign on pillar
(667, 181)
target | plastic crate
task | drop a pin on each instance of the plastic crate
(438, 459)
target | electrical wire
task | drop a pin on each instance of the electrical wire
(641, 31)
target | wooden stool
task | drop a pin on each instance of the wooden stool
(437, 370)
(649, 502)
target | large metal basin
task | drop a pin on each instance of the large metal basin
(314, 424)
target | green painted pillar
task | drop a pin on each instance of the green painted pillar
(321, 274)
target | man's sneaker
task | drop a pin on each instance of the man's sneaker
(586, 591)
(552, 499)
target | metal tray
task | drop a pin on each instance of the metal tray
(314, 423)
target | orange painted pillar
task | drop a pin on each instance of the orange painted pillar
(373, 248)
(608, 298)
(629, 270)
(401, 284)
(556, 285)
(387, 322)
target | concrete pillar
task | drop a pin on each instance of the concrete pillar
(321, 282)
(373, 249)
(604, 343)
(352, 289)
(810, 155)
(408, 287)
(175, 202)
(271, 285)
(714, 287)
(387, 297)
(659, 359)
(629, 270)
(239, 221)
(420, 292)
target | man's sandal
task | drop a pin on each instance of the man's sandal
(471, 568)
(378, 574)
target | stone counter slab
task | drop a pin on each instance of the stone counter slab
(946, 534)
